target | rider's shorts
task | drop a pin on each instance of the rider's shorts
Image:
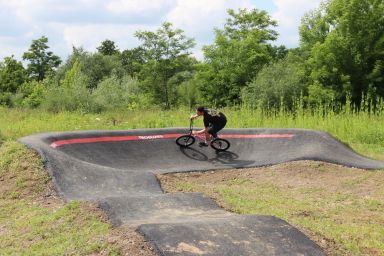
(213, 129)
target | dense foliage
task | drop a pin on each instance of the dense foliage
(345, 41)
(239, 52)
(340, 61)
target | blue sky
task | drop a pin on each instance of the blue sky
(86, 23)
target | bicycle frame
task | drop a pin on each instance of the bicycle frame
(199, 136)
(188, 139)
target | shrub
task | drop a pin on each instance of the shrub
(70, 94)
(6, 99)
(276, 85)
(188, 93)
(117, 93)
(319, 95)
(35, 95)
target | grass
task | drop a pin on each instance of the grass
(69, 230)
(33, 222)
(349, 221)
(345, 217)
(363, 132)
(342, 209)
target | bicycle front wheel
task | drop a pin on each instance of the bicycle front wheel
(220, 144)
(185, 141)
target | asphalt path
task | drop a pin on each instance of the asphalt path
(118, 170)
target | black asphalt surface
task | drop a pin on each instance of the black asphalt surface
(120, 175)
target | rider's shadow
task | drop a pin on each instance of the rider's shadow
(194, 154)
(221, 158)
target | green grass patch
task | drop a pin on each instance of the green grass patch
(354, 221)
(340, 212)
(363, 132)
(185, 186)
(21, 171)
(34, 230)
(32, 223)
(342, 209)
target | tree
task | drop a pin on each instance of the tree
(254, 22)
(188, 92)
(346, 42)
(40, 60)
(12, 75)
(239, 52)
(166, 53)
(314, 27)
(133, 60)
(78, 55)
(108, 47)
(71, 94)
(278, 84)
(95, 66)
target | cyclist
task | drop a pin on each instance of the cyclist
(214, 121)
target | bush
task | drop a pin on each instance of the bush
(35, 95)
(6, 99)
(117, 93)
(188, 93)
(319, 95)
(70, 94)
(276, 85)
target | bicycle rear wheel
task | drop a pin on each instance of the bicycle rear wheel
(220, 144)
(185, 141)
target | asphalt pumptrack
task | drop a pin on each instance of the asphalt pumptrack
(118, 170)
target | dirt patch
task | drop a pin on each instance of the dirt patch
(300, 174)
(188, 248)
(130, 242)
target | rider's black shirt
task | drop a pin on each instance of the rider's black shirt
(212, 116)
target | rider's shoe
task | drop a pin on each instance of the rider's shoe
(203, 144)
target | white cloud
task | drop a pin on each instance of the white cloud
(88, 22)
(90, 36)
(198, 18)
(138, 6)
(201, 15)
(26, 10)
(10, 46)
(288, 15)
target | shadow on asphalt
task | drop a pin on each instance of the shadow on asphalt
(223, 158)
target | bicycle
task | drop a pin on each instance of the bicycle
(187, 140)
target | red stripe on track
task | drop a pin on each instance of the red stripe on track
(255, 136)
(59, 143)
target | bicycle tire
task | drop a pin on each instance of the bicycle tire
(220, 144)
(185, 141)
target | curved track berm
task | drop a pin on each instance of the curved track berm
(117, 169)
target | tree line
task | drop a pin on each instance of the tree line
(340, 60)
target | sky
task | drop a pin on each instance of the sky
(86, 23)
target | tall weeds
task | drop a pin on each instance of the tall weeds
(362, 128)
